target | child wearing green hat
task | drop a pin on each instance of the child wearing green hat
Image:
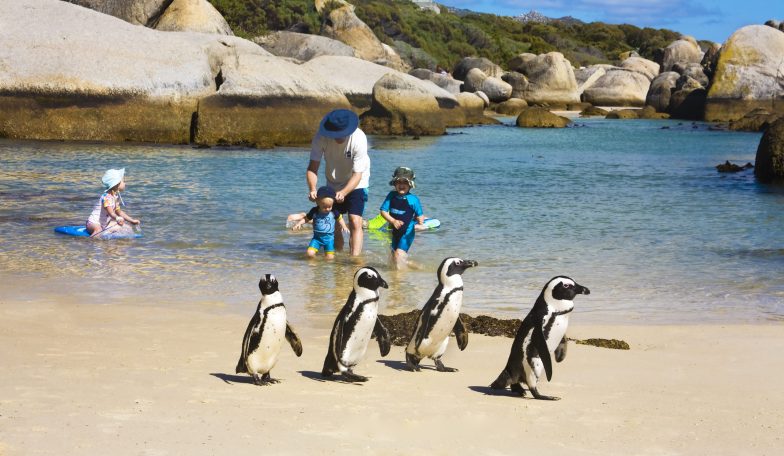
(107, 212)
(402, 209)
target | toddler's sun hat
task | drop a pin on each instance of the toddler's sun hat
(338, 124)
(403, 173)
(325, 192)
(112, 177)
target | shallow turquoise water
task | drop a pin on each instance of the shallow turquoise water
(635, 212)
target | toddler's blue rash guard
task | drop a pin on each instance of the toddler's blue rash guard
(403, 208)
(323, 229)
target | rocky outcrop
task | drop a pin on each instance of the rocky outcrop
(444, 81)
(71, 73)
(593, 111)
(401, 107)
(518, 81)
(618, 87)
(302, 46)
(661, 90)
(356, 78)
(511, 107)
(550, 77)
(536, 117)
(684, 50)
(587, 76)
(649, 112)
(623, 114)
(692, 70)
(710, 59)
(193, 16)
(756, 120)
(749, 74)
(468, 63)
(265, 101)
(343, 25)
(647, 68)
(688, 99)
(472, 111)
(138, 12)
(769, 164)
(495, 89)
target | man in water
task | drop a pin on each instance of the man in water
(344, 148)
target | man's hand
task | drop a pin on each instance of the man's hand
(339, 197)
(312, 195)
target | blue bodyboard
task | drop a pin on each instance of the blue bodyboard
(81, 231)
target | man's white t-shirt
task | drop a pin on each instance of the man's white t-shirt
(343, 159)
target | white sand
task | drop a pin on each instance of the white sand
(85, 379)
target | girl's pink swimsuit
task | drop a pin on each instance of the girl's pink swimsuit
(100, 215)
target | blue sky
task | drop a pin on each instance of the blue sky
(713, 20)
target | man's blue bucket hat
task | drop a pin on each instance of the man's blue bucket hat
(338, 124)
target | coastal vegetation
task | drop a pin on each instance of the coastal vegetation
(426, 39)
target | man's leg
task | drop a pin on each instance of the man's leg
(355, 225)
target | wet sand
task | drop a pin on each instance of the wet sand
(118, 379)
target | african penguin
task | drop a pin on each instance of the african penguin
(354, 325)
(542, 331)
(440, 316)
(265, 334)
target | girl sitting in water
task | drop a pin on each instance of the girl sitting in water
(107, 212)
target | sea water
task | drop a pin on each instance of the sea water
(634, 210)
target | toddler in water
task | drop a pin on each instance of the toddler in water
(323, 217)
(107, 212)
(403, 212)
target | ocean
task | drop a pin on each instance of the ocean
(634, 210)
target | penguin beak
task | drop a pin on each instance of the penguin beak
(581, 289)
(382, 283)
(469, 264)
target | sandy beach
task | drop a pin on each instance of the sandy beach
(119, 379)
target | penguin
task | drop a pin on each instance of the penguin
(355, 323)
(440, 316)
(542, 331)
(264, 336)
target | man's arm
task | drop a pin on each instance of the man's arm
(312, 178)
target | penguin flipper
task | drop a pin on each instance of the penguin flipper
(294, 341)
(246, 341)
(382, 336)
(560, 352)
(461, 334)
(544, 353)
(423, 326)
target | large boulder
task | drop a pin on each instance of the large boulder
(688, 99)
(550, 80)
(343, 25)
(138, 12)
(266, 101)
(618, 87)
(468, 63)
(356, 78)
(511, 107)
(402, 107)
(444, 81)
(193, 16)
(518, 81)
(769, 164)
(536, 117)
(692, 70)
(748, 74)
(648, 68)
(684, 50)
(587, 76)
(710, 59)
(472, 111)
(495, 89)
(756, 120)
(661, 90)
(302, 46)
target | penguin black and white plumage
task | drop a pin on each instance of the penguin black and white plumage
(542, 331)
(355, 323)
(264, 336)
(440, 316)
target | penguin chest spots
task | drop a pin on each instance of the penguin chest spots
(264, 357)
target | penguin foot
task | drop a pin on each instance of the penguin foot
(517, 388)
(264, 380)
(441, 368)
(543, 397)
(412, 362)
(352, 377)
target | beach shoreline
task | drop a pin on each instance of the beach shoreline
(82, 378)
